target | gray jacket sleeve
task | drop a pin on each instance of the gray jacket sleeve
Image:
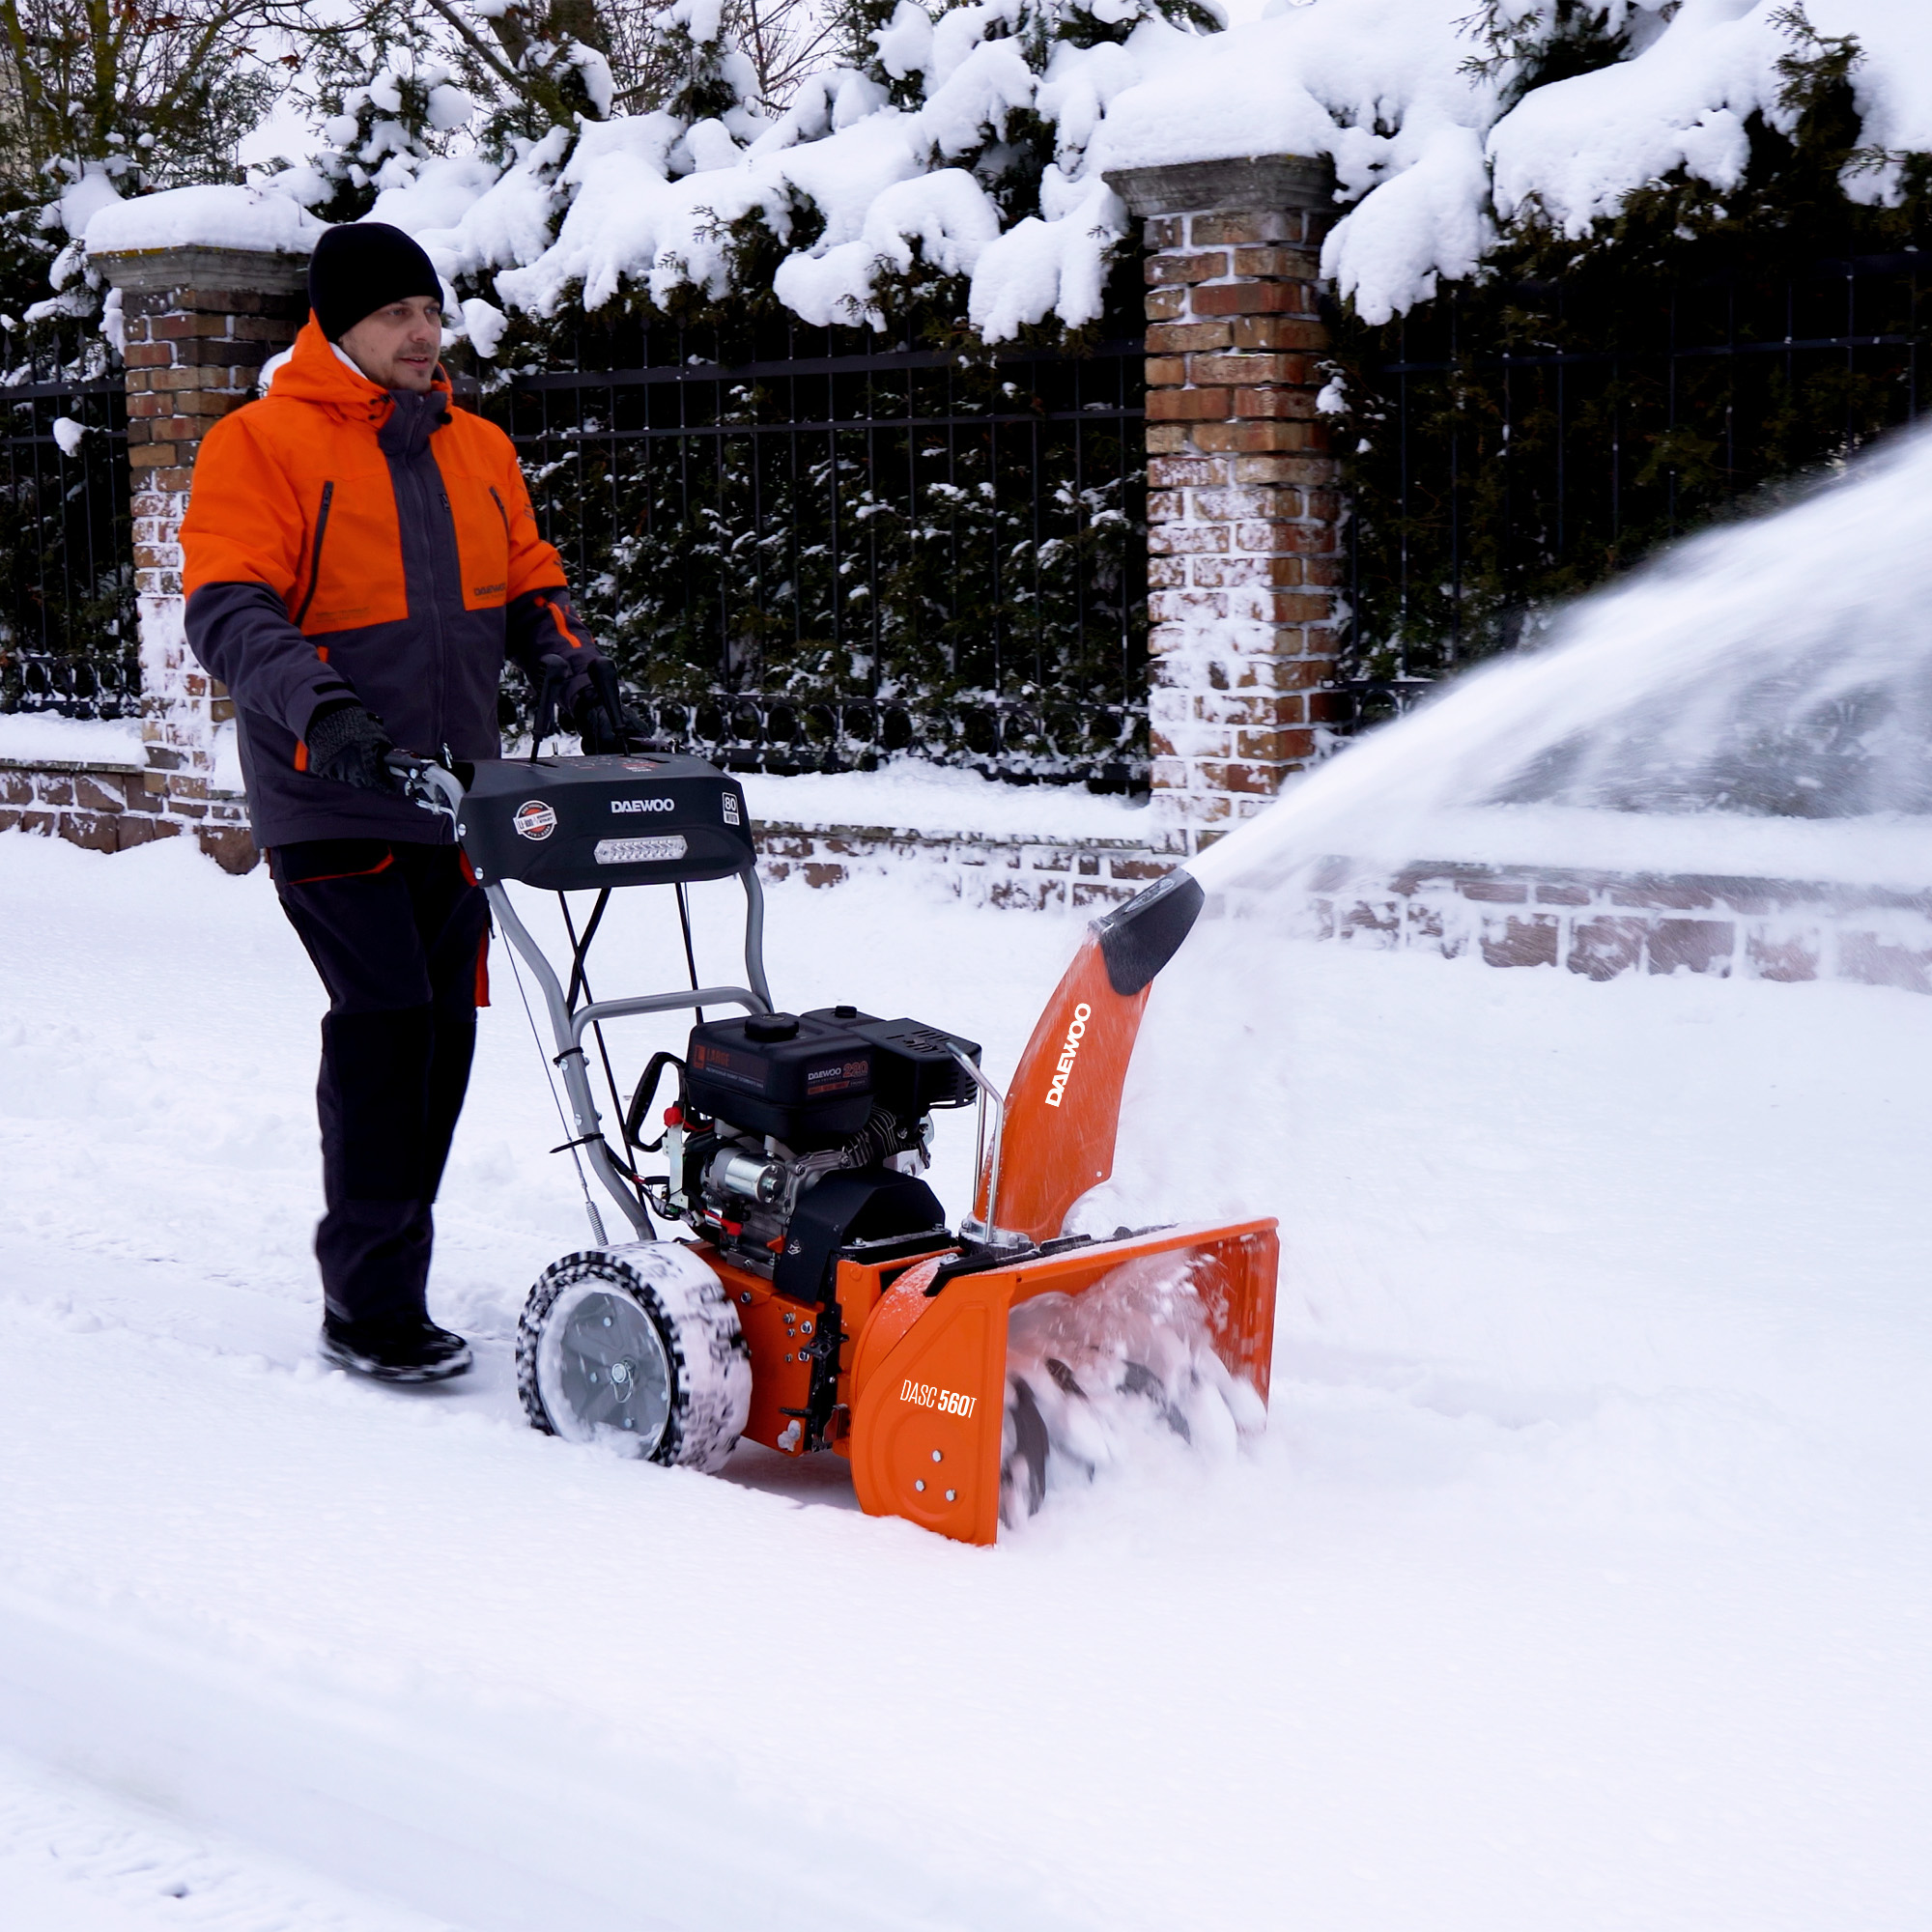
(240, 634)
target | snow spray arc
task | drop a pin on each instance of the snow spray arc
(1068, 1054)
(1722, 683)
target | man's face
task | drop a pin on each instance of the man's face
(396, 346)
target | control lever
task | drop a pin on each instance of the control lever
(550, 695)
(604, 682)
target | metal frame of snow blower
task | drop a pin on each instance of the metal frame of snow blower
(569, 1027)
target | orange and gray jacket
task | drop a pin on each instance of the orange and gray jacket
(344, 541)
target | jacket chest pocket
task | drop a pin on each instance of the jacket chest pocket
(351, 567)
(482, 520)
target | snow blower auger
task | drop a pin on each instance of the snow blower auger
(820, 1302)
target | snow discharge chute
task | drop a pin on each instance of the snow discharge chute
(820, 1301)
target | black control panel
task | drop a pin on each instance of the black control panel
(618, 820)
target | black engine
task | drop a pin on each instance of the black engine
(797, 1134)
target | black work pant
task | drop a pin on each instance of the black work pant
(398, 934)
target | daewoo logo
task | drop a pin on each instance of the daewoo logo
(643, 805)
(1075, 1034)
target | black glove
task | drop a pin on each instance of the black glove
(599, 717)
(348, 743)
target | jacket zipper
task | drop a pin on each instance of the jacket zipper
(315, 560)
(501, 511)
(427, 456)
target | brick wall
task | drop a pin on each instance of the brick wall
(1021, 870)
(1597, 924)
(110, 809)
(1246, 550)
(1602, 924)
(199, 324)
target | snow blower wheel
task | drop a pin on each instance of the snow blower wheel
(636, 1346)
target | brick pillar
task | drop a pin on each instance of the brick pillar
(1245, 545)
(199, 324)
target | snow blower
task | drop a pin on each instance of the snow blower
(819, 1300)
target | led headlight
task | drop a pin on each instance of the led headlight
(639, 851)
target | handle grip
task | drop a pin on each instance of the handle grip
(426, 783)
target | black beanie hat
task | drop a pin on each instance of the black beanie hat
(358, 267)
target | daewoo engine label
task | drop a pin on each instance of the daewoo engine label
(829, 1079)
(947, 1401)
(643, 805)
(1068, 1053)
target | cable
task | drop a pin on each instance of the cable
(577, 952)
(550, 1081)
(690, 958)
(578, 975)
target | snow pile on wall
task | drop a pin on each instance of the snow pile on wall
(1432, 154)
(256, 219)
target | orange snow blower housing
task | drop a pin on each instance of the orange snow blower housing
(928, 1373)
(824, 1304)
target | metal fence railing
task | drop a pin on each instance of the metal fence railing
(68, 638)
(1509, 462)
(806, 552)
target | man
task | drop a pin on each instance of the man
(359, 558)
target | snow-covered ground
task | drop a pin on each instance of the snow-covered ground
(1582, 1581)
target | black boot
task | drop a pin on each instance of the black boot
(394, 1348)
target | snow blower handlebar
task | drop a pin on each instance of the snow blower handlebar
(568, 1027)
(439, 790)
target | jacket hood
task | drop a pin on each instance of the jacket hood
(316, 373)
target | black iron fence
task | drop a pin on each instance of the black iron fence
(808, 551)
(68, 638)
(1516, 449)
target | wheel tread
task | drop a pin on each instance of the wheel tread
(684, 1300)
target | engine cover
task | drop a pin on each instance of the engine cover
(811, 1079)
(913, 1066)
(805, 1081)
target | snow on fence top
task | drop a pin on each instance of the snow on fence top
(1430, 157)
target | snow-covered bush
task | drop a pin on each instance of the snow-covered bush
(968, 142)
(944, 165)
(1663, 178)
